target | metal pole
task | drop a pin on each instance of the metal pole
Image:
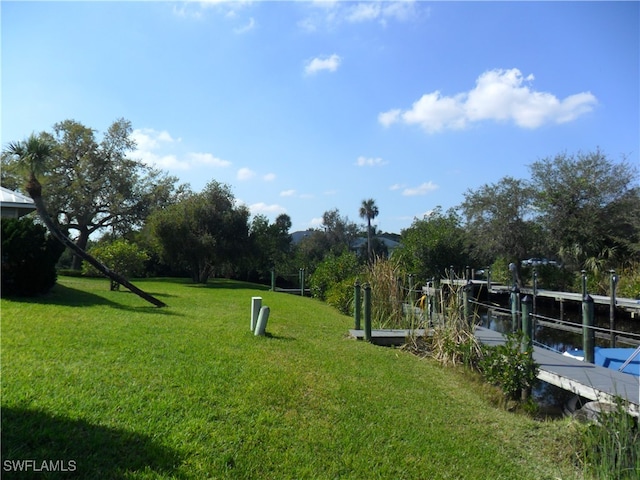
(588, 333)
(367, 312)
(357, 304)
(535, 289)
(302, 282)
(613, 280)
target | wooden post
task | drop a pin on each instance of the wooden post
(367, 312)
(467, 292)
(588, 333)
(357, 305)
(527, 334)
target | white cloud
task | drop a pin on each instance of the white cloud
(208, 159)
(262, 207)
(316, 222)
(329, 14)
(396, 186)
(269, 177)
(288, 193)
(246, 28)
(319, 64)
(370, 162)
(150, 139)
(245, 174)
(420, 190)
(499, 95)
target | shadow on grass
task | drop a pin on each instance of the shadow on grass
(82, 449)
(71, 297)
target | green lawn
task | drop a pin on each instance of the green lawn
(127, 390)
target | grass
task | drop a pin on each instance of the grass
(127, 390)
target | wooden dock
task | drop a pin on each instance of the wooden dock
(585, 379)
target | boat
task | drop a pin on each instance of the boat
(626, 360)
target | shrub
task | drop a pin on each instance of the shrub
(509, 367)
(121, 256)
(340, 295)
(331, 271)
(29, 256)
(387, 296)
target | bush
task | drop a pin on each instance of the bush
(121, 256)
(508, 367)
(331, 271)
(29, 256)
(340, 295)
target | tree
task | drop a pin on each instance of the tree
(121, 256)
(32, 155)
(339, 230)
(205, 232)
(589, 206)
(432, 244)
(369, 210)
(270, 244)
(92, 185)
(499, 221)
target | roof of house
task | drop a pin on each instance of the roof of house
(11, 199)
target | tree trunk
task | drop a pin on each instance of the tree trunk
(35, 191)
(81, 242)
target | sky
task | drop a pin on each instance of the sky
(307, 106)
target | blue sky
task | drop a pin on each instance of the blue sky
(303, 107)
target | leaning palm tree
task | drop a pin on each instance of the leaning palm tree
(369, 210)
(33, 154)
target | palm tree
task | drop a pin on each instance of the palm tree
(369, 210)
(33, 154)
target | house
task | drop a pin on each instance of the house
(14, 204)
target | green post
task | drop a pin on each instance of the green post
(367, 312)
(515, 308)
(488, 280)
(357, 304)
(527, 323)
(467, 292)
(527, 335)
(535, 289)
(613, 281)
(588, 333)
(302, 282)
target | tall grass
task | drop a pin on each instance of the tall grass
(611, 445)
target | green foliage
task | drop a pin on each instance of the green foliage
(332, 271)
(206, 233)
(611, 445)
(29, 256)
(629, 284)
(340, 295)
(509, 367)
(432, 244)
(121, 256)
(500, 271)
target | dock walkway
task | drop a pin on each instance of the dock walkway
(585, 379)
